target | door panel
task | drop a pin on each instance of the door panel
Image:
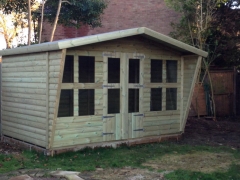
(109, 127)
(136, 120)
(124, 125)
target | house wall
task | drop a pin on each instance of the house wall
(124, 14)
(29, 89)
(77, 130)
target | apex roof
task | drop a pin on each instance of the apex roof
(80, 41)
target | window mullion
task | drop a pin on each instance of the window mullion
(163, 99)
(75, 80)
(164, 72)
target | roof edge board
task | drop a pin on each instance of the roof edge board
(175, 42)
(100, 38)
(30, 49)
(80, 41)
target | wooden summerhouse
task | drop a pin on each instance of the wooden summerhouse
(128, 86)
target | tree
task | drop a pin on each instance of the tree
(41, 22)
(10, 26)
(203, 21)
(225, 35)
(194, 25)
(200, 26)
(84, 12)
(56, 18)
(17, 9)
(29, 22)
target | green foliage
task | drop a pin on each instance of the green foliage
(210, 25)
(17, 6)
(9, 163)
(86, 12)
(224, 38)
(231, 174)
(89, 159)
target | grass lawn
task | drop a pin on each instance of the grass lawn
(183, 161)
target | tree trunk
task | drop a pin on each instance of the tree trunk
(56, 20)
(41, 23)
(29, 22)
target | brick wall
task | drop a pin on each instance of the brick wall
(124, 14)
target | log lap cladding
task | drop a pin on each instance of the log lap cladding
(115, 87)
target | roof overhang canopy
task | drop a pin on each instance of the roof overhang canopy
(80, 41)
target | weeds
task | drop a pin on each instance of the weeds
(89, 160)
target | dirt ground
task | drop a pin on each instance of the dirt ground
(224, 131)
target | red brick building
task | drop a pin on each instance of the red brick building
(123, 14)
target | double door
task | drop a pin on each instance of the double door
(123, 96)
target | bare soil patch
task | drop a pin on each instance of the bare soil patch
(127, 173)
(224, 131)
(198, 161)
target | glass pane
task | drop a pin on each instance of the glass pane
(86, 102)
(113, 101)
(171, 99)
(133, 100)
(86, 69)
(68, 70)
(113, 70)
(171, 71)
(134, 65)
(65, 108)
(156, 71)
(156, 99)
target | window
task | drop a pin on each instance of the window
(68, 70)
(84, 99)
(66, 103)
(171, 68)
(86, 72)
(113, 70)
(134, 65)
(171, 99)
(133, 100)
(156, 99)
(113, 101)
(86, 69)
(156, 71)
(85, 102)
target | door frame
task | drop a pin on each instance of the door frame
(131, 124)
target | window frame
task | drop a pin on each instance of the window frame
(76, 85)
(164, 85)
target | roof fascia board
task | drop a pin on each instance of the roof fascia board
(175, 42)
(100, 38)
(30, 49)
(69, 43)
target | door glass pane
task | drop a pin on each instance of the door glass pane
(66, 103)
(156, 71)
(134, 65)
(86, 69)
(156, 99)
(171, 67)
(133, 100)
(68, 70)
(113, 101)
(171, 99)
(113, 70)
(86, 102)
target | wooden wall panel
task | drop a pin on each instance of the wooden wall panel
(39, 87)
(25, 95)
(56, 59)
(191, 69)
(72, 131)
(151, 50)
